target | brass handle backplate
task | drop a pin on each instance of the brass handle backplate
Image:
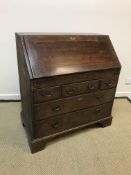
(91, 87)
(46, 93)
(56, 124)
(56, 108)
(98, 110)
(109, 83)
(70, 91)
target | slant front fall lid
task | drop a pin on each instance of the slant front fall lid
(51, 55)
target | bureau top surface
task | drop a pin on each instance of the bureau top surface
(51, 55)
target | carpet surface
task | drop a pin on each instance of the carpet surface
(92, 151)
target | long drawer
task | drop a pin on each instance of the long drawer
(60, 123)
(70, 104)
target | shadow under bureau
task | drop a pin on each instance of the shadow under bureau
(67, 82)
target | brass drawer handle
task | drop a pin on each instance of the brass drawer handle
(56, 108)
(70, 91)
(99, 97)
(109, 83)
(46, 94)
(91, 87)
(98, 110)
(56, 124)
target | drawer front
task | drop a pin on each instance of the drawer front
(108, 83)
(71, 120)
(45, 94)
(79, 88)
(89, 115)
(50, 126)
(48, 109)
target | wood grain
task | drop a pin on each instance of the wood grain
(67, 82)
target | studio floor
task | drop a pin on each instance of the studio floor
(92, 151)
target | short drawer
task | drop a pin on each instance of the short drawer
(48, 109)
(45, 94)
(72, 120)
(79, 88)
(108, 83)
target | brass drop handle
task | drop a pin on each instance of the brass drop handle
(56, 108)
(70, 91)
(109, 83)
(91, 87)
(98, 110)
(46, 93)
(56, 124)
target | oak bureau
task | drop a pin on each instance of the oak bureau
(67, 82)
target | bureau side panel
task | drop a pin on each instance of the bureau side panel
(25, 85)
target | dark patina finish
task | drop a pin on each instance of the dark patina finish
(67, 82)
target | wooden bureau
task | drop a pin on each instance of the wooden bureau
(67, 82)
